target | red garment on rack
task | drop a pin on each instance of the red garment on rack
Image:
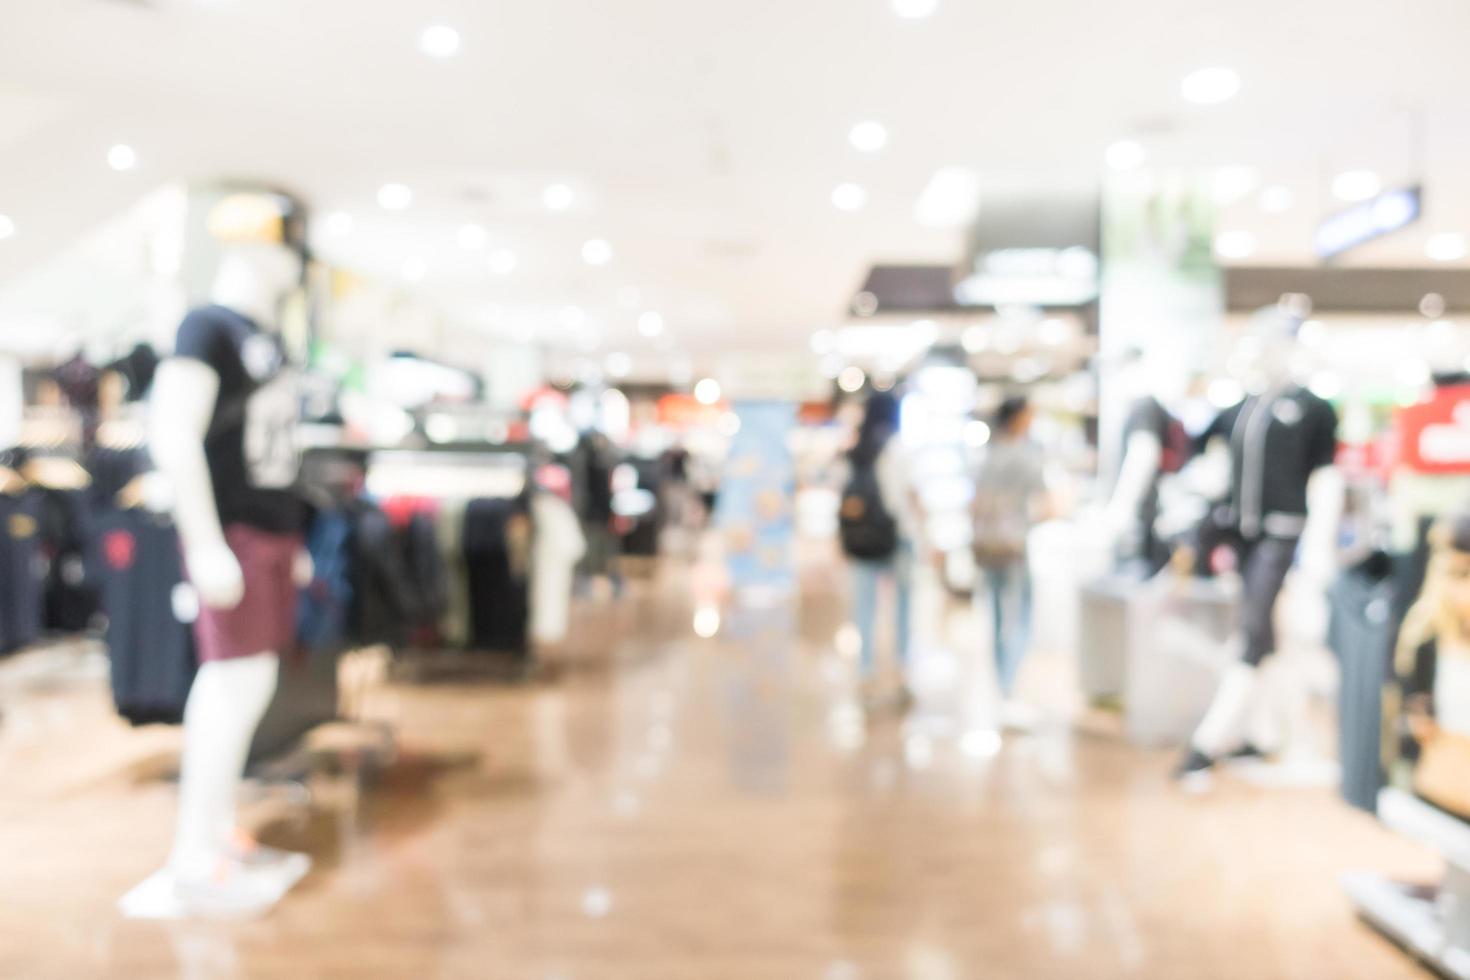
(401, 509)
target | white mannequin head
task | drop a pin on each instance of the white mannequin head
(1157, 371)
(254, 277)
(1267, 356)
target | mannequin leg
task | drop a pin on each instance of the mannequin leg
(225, 706)
(1224, 724)
(1264, 564)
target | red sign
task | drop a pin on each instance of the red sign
(1434, 436)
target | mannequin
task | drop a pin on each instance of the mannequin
(1285, 497)
(1150, 386)
(221, 417)
(1428, 702)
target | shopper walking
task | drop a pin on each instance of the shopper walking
(879, 526)
(1010, 496)
(593, 462)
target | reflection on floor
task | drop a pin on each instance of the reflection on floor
(680, 808)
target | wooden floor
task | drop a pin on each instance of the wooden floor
(673, 808)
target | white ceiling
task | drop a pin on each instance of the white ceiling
(704, 139)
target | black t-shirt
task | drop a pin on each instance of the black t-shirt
(1148, 415)
(251, 445)
(1277, 441)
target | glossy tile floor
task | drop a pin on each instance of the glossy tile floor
(677, 808)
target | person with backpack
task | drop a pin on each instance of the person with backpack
(878, 523)
(1010, 497)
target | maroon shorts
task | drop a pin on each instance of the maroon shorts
(265, 620)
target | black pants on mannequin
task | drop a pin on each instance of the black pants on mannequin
(1263, 564)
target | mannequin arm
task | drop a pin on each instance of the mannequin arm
(1141, 460)
(182, 403)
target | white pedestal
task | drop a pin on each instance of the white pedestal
(157, 898)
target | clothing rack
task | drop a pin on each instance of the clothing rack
(464, 472)
(446, 472)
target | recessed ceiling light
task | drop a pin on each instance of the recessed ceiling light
(1235, 244)
(650, 324)
(339, 224)
(122, 157)
(557, 197)
(852, 379)
(473, 237)
(7, 226)
(1445, 247)
(868, 136)
(1276, 199)
(394, 197)
(1356, 185)
(596, 251)
(1210, 86)
(502, 262)
(439, 41)
(915, 9)
(849, 197)
(415, 269)
(1126, 155)
(951, 199)
(707, 392)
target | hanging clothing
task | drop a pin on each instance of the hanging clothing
(558, 545)
(71, 602)
(22, 570)
(454, 625)
(425, 570)
(136, 368)
(150, 649)
(325, 605)
(383, 596)
(496, 551)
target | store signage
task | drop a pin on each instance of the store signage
(1434, 436)
(683, 412)
(1031, 277)
(1387, 213)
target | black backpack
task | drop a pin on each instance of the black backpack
(867, 530)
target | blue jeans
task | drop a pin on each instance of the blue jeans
(866, 576)
(1010, 612)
